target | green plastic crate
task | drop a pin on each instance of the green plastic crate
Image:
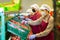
(22, 35)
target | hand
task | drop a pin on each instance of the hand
(27, 19)
(32, 37)
(22, 17)
(24, 22)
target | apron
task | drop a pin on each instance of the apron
(40, 28)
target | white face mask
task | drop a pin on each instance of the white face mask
(43, 13)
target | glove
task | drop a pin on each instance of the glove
(24, 22)
(32, 37)
(27, 19)
(22, 17)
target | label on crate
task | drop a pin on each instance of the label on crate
(15, 26)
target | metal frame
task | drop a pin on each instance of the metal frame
(2, 26)
(54, 5)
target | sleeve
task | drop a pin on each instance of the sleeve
(48, 29)
(36, 22)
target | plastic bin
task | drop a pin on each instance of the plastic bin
(23, 33)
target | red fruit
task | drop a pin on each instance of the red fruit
(13, 38)
(11, 20)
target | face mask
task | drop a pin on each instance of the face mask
(43, 13)
(33, 10)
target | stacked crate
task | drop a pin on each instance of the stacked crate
(14, 26)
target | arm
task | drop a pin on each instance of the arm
(36, 22)
(48, 29)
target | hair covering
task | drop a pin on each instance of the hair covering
(35, 6)
(45, 6)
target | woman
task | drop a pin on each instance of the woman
(36, 13)
(33, 13)
(42, 27)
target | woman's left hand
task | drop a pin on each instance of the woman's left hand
(32, 37)
(24, 22)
